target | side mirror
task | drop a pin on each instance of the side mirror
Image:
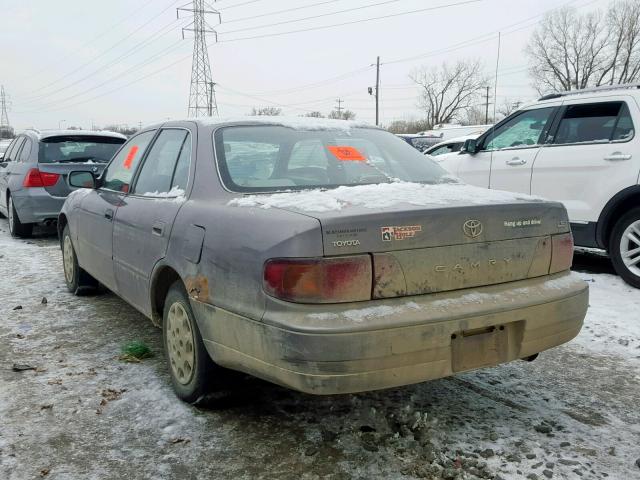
(82, 180)
(470, 146)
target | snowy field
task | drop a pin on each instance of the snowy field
(80, 413)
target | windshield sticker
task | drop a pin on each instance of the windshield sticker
(130, 156)
(347, 154)
(399, 233)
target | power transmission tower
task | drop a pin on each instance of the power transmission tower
(202, 97)
(5, 128)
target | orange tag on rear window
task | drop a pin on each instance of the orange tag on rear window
(130, 156)
(347, 154)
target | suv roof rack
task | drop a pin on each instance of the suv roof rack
(587, 90)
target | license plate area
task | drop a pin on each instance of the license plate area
(480, 347)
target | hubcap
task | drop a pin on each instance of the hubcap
(180, 343)
(67, 259)
(10, 208)
(630, 247)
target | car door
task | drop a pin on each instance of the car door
(506, 152)
(144, 219)
(98, 208)
(593, 155)
(6, 171)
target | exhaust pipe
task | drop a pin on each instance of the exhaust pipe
(530, 358)
(50, 222)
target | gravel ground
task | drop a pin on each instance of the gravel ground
(82, 413)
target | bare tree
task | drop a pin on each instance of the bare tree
(507, 107)
(268, 111)
(447, 91)
(571, 51)
(314, 115)
(476, 115)
(408, 126)
(342, 115)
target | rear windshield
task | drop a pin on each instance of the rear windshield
(270, 158)
(83, 148)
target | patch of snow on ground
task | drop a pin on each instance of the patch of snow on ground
(379, 196)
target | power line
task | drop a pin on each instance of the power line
(312, 17)
(287, 10)
(343, 24)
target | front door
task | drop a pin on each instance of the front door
(98, 209)
(592, 157)
(144, 219)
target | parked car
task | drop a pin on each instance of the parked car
(325, 256)
(4, 144)
(419, 142)
(447, 131)
(578, 148)
(442, 150)
(34, 169)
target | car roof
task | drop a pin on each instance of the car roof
(297, 123)
(596, 92)
(44, 134)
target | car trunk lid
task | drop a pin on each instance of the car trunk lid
(61, 187)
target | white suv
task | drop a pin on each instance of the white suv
(579, 148)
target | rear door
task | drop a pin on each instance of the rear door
(98, 208)
(144, 219)
(593, 155)
(6, 166)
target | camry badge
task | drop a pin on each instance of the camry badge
(472, 228)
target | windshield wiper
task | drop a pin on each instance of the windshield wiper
(75, 160)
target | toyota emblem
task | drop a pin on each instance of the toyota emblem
(472, 228)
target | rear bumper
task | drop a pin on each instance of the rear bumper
(35, 205)
(330, 349)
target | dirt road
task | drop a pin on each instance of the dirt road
(84, 414)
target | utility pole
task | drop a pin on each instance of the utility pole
(486, 110)
(339, 107)
(5, 128)
(201, 94)
(377, 91)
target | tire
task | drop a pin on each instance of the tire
(624, 247)
(189, 364)
(77, 280)
(16, 227)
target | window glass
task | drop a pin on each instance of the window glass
(449, 148)
(26, 151)
(78, 149)
(181, 175)
(120, 171)
(12, 152)
(624, 129)
(522, 131)
(269, 158)
(156, 173)
(588, 123)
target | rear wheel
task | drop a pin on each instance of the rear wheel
(76, 278)
(625, 247)
(190, 366)
(16, 227)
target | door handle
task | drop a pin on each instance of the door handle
(617, 156)
(158, 229)
(516, 161)
(108, 214)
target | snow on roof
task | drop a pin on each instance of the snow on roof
(42, 134)
(296, 123)
(380, 196)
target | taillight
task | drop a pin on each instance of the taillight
(36, 178)
(319, 280)
(561, 252)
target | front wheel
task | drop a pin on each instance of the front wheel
(624, 247)
(75, 277)
(16, 227)
(190, 366)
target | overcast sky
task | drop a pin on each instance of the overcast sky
(74, 62)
